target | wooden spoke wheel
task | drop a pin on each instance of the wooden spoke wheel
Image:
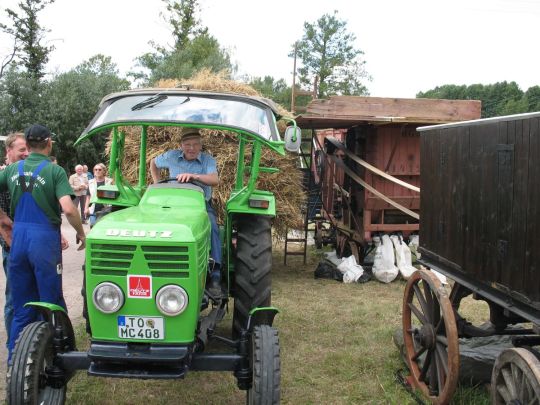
(430, 337)
(515, 378)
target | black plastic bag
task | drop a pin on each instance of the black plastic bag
(326, 269)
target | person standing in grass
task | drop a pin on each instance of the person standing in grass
(37, 188)
(79, 183)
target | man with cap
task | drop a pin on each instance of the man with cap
(38, 189)
(15, 150)
(190, 164)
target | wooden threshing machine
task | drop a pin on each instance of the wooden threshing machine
(366, 168)
(480, 226)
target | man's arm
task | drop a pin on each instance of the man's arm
(154, 171)
(6, 227)
(73, 217)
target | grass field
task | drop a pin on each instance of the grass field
(336, 348)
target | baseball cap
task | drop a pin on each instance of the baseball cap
(191, 133)
(37, 132)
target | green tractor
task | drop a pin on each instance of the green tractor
(148, 311)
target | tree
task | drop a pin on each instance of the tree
(71, 99)
(183, 20)
(28, 36)
(20, 100)
(501, 98)
(194, 48)
(276, 90)
(328, 55)
(532, 98)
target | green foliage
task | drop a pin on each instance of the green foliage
(532, 98)
(28, 36)
(502, 98)
(183, 20)
(66, 105)
(201, 52)
(20, 100)
(194, 48)
(71, 100)
(276, 90)
(328, 55)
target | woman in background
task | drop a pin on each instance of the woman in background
(92, 211)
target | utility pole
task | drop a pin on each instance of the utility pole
(293, 90)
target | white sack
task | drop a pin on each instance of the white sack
(403, 257)
(383, 266)
(350, 269)
(332, 257)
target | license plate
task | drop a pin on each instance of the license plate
(140, 327)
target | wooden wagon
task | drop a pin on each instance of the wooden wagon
(367, 165)
(480, 211)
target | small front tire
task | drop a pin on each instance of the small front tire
(26, 377)
(265, 366)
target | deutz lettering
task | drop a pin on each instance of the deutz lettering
(138, 234)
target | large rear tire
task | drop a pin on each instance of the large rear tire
(253, 264)
(266, 367)
(26, 378)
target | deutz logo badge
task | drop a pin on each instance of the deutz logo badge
(139, 287)
(137, 234)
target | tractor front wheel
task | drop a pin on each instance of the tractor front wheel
(253, 264)
(265, 365)
(27, 381)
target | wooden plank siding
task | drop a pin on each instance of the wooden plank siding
(480, 205)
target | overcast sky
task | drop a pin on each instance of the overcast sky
(409, 45)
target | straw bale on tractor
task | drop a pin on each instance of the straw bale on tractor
(286, 185)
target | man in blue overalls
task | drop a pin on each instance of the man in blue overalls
(190, 164)
(38, 188)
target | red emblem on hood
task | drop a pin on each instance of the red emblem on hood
(139, 287)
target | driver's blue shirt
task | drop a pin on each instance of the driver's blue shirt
(176, 163)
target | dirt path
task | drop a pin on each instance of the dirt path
(72, 281)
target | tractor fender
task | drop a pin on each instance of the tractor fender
(261, 316)
(57, 317)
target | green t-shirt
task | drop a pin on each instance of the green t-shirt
(51, 184)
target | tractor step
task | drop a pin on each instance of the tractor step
(144, 371)
(137, 360)
(137, 353)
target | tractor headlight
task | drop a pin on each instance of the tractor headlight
(171, 300)
(108, 298)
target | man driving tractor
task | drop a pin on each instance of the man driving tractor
(190, 164)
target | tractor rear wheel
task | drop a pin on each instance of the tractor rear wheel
(265, 365)
(252, 278)
(26, 378)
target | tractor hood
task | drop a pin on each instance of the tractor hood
(167, 213)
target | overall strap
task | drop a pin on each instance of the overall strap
(22, 180)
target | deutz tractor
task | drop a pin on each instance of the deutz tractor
(149, 314)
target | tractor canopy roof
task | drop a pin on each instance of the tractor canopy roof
(194, 108)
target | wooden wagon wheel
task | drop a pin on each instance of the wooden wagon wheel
(430, 337)
(515, 378)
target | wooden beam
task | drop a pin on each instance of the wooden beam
(371, 168)
(406, 110)
(356, 178)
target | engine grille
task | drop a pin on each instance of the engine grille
(162, 261)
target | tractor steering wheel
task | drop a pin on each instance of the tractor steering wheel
(194, 182)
